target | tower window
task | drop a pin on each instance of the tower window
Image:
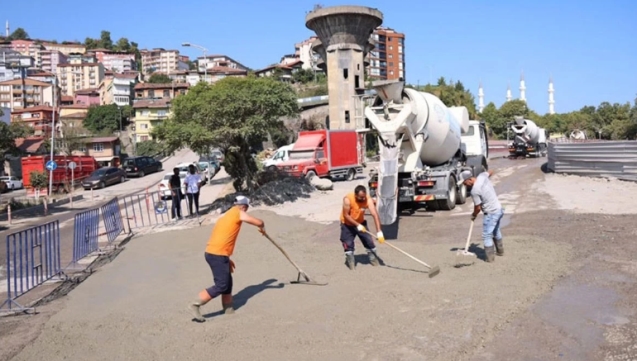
(345, 73)
(347, 116)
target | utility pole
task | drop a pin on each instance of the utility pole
(55, 85)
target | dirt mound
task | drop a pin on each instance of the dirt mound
(278, 190)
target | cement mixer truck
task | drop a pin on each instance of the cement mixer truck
(424, 145)
(528, 139)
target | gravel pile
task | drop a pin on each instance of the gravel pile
(277, 191)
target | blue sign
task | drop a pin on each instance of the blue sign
(51, 165)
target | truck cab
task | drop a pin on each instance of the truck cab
(475, 145)
(281, 155)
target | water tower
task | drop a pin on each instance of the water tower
(344, 32)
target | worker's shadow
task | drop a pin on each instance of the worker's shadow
(241, 298)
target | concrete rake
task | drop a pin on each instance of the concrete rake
(302, 278)
(433, 271)
(464, 257)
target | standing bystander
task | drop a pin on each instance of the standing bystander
(176, 195)
(193, 183)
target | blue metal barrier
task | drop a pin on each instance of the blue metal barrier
(33, 257)
(85, 234)
(112, 219)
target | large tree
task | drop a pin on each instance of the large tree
(105, 119)
(233, 114)
(9, 133)
(18, 34)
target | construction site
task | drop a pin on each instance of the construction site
(564, 289)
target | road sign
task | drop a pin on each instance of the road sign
(51, 165)
(72, 165)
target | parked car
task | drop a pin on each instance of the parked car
(164, 185)
(141, 165)
(12, 182)
(104, 177)
(209, 165)
(219, 154)
(183, 167)
(281, 155)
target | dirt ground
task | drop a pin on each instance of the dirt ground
(565, 289)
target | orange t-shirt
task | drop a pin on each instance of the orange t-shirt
(357, 209)
(224, 234)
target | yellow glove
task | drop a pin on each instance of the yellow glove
(361, 228)
(231, 266)
(381, 237)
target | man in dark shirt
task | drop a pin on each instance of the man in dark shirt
(175, 188)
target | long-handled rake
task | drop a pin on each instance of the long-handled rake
(433, 271)
(305, 277)
(464, 257)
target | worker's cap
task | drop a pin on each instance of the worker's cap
(242, 201)
(464, 175)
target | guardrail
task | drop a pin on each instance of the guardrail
(594, 158)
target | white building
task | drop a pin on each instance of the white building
(50, 60)
(160, 60)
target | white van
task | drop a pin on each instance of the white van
(281, 155)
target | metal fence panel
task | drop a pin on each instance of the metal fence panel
(594, 158)
(112, 216)
(85, 234)
(33, 257)
(155, 208)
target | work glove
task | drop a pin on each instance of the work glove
(473, 217)
(361, 228)
(231, 266)
(381, 237)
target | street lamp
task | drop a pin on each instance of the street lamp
(205, 68)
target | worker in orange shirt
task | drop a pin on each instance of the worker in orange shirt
(353, 224)
(218, 251)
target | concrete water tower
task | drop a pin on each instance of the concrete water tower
(344, 32)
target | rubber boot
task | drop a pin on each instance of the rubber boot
(204, 298)
(350, 261)
(490, 252)
(226, 303)
(499, 247)
(373, 260)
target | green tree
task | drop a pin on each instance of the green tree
(303, 76)
(18, 34)
(233, 114)
(105, 40)
(149, 148)
(105, 119)
(453, 94)
(159, 78)
(491, 117)
(9, 133)
(123, 45)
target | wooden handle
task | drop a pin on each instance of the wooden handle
(466, 246)
(284, 253)
(403, 252)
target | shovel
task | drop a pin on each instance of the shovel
(464, 257)
(433, 271)
(305, 278)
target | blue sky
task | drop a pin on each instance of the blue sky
(587, 46)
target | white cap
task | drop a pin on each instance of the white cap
(464, 175)
(242, 201)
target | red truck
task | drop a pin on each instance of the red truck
(85, 165)
(326, 153)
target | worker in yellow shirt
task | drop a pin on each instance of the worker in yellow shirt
(353, 224)
(218, 251)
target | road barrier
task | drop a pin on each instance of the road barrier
(33, 257)
(152, 208)
(85, 234)
(594, 158)
(112, 216)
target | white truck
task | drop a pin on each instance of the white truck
(528, 139)
(281, 155)
(424, 145)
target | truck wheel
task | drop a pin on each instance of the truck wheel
(449, 203)
(272, 168)
(351, 174)
(310, 174)
(102, 185)
(461, 194)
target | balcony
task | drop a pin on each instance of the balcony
(155, 116)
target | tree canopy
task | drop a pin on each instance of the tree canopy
(159, 78)
(9, 133)
(105, 42)
(105, 119)
(233, 114)
(18, 34)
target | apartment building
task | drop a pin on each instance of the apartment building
(303, 52)
(50, 59)
(105, 150)
(87, 96)
(81, 58)
(76, 76)
(41, 75)
(65, 48)
(211, 62)
(149, 113)
(29, 48)
(285, 72)
(39, 118)
(118, 89)
(160, 60)
(8, 59)
(146, 91)
(387, 59)
(115, 61)
(67, 110)
(13, 93)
